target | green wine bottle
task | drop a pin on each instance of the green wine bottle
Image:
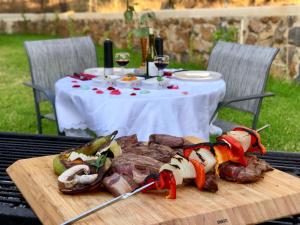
(151, 68)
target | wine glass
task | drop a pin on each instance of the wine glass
(161, 62)
(122, 59)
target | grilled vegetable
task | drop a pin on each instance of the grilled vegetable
(186, 167)
(236, 149)
(176, 172)
(79, 179)
(256, 145)
(208, 159)
(87, 154)
(200, 174)
(241, 136)
(164, 180)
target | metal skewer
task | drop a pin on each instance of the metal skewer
(262, 128)
(105, 204)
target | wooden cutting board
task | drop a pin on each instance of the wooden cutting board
(276, 196)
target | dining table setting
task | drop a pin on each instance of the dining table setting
(179, 102)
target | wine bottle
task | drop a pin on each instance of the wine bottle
(151, 68)
(108, 57)
(159, 46)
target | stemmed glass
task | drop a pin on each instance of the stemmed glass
(161, 62)
(122, 59)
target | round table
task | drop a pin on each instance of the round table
(181, 111)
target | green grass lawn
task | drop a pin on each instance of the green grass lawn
(18, 115)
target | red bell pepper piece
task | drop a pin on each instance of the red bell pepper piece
(222, 152)
(149, 179)
(187, 152)
(200, 173)
(164, 180)
(236, 149)
(256, 145)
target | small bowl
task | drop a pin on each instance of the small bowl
(129, 84)
(154, 84)
(107, 80)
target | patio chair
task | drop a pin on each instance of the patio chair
(51, 60)
(245, 69)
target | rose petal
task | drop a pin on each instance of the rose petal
(95, 89)
(115, 92)
(133, 94)
(136, 89)
(111, 88)
(173, 87)
(99, 92)
(76, 86)
(74, 81)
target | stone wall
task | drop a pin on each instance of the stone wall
(188, 34)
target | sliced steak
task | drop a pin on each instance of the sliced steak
(135, 168)
(127, 141)
(116, 184)
(161, 153)
(168, 140)
(253, 172)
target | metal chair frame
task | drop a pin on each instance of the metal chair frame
(71, 55)
(237, 63)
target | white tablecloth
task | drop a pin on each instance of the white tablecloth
(180, 112)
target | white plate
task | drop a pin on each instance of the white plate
(109, 81)
(99, 71)
(197, 75)
(95, 71)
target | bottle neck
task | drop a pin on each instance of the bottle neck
(151, 48)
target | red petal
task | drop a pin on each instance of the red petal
(99, 92)
(115, 92)
(133, 94)
(111, 88)
(173, 87)
(95, 89)
(76, 86)
(74, 81)
(136, 89)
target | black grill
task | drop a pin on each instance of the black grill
(14, 209)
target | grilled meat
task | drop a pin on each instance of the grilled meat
(168, 140)
(211, 184)
(116, 184)
(135, 168)
(251, 173)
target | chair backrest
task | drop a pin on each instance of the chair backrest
(245, 69)
(52, 59)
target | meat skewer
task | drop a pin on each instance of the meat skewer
(207, 158)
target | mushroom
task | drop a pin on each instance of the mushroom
(78, 174)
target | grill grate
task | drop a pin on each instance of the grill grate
(15, 210)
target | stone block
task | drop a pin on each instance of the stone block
(279, 32)
(207, 32)
(255, 26)
(180, 47)
(251, 39)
